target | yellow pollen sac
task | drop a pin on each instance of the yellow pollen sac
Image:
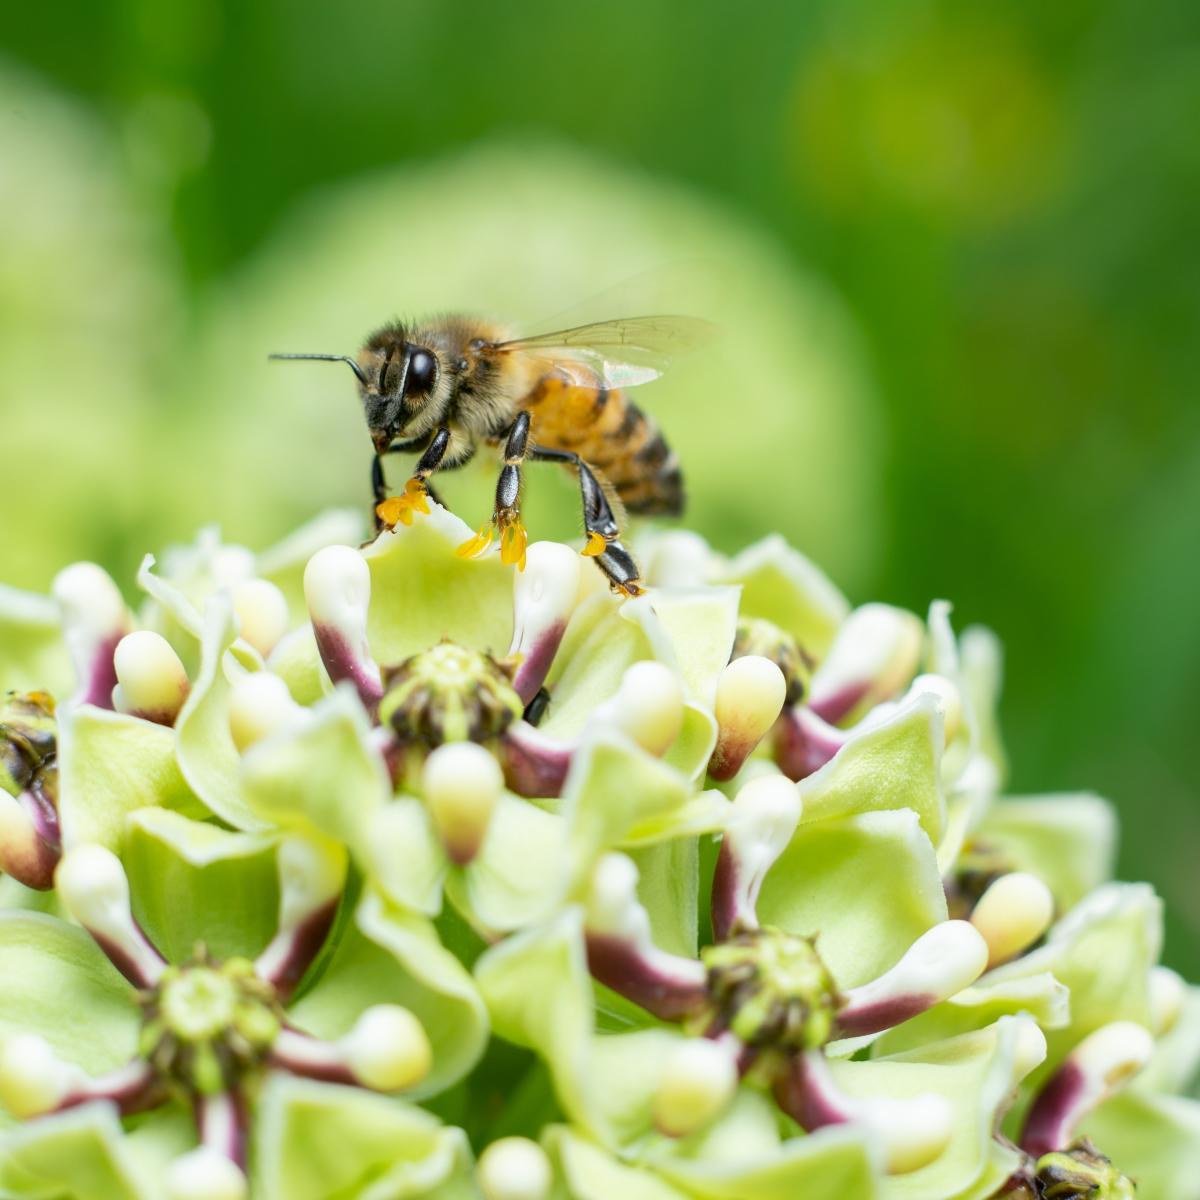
(595, 545)
(513, 541)
(400, 509)
(477, 546)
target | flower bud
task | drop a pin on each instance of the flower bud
(1168, 993)
(679, 559)
(697, 1084)
(151, 680)
(259, 705)
(1096, 1068)
(941, 962)
(205, 1174)
(1084, 1173)
(94, 619)
(544, 596)
(337, 590)
(387, 1049)
(462, 783)
(766, 639)
(750, 693)
(262, 614)
(765, 815)
(874, 654)
(33, 1079)
(92, 885)
(1012, 914)
(514, 1168)
(648, 706)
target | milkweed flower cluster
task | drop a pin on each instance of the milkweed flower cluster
(372, 872)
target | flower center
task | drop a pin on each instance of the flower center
(27, 741)
(1082, 1173)
(766, 639)
(771, 989)
(449, 694)
(206, 1024)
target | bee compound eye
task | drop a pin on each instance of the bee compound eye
(421, 372)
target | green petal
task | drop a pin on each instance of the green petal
(1102, 951)
(320, 773)
(981, 664)
(590, 1173)
(892, 766)
(613, 787)
(194, 882)
(696, 741)
(668, 887)
(868, 885)
(171, 610)
(781, 585)
(743, 1155)
(1039, 996)
(976, 1074)
(109, 765)
(1155, 1140)
(708, 812)
(33, 656)
(283, 564)
(315, 1141)
(405, 858)
(395, 955)
(1069, 840)
(421, 593)
(75, 1155)
(58, 984)
(1173, 1068)
(520, 874)
(207, 754)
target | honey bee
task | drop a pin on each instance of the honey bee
(442, 388)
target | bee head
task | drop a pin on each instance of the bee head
(397, 379)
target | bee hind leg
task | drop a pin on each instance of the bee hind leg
(599, 523)
(506, 515)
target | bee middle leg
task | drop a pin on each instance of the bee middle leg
(599, 523)
(506, 515)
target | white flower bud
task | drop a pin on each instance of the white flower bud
(914, 1131)
(874, 654)
(941, 962)
(697, 1084)
(1029, 1049)
(514, 1168)
(949, 701)
(205, 1174)
(750, 695)
(462, 783)
(387, 1049)
(1168, 993)
(151, 680)
(33, 1079)
(94, 618)
(1012, 914)
(95, 890)
(612, 904)
(262, 614)
(1113, 1054)
(648, 706)
(259, 705)
(679, 558)
(337, 589)
(544, 596)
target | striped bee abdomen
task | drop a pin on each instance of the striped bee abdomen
(610, 432)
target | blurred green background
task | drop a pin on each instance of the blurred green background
(954, 248)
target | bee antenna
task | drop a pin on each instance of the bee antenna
(327, 358)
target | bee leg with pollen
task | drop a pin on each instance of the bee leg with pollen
(599, 524)
(506, 516)
(393, 510)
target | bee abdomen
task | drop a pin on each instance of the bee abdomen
(635, 457)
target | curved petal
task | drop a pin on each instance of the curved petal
(33, 655)
(314, 1140)
(58, 984)
(421, 593)
(867, 884)
(590, 1173)
(321, 772)
(110, 764)
(393, 953)
(405, 858)
(1069, 840)
(894, 765)
(194, 882)
(782, 586)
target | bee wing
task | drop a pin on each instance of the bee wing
(616, 354)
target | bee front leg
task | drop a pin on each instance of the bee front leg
(599, 523)
(415, 498)
(506, 515)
